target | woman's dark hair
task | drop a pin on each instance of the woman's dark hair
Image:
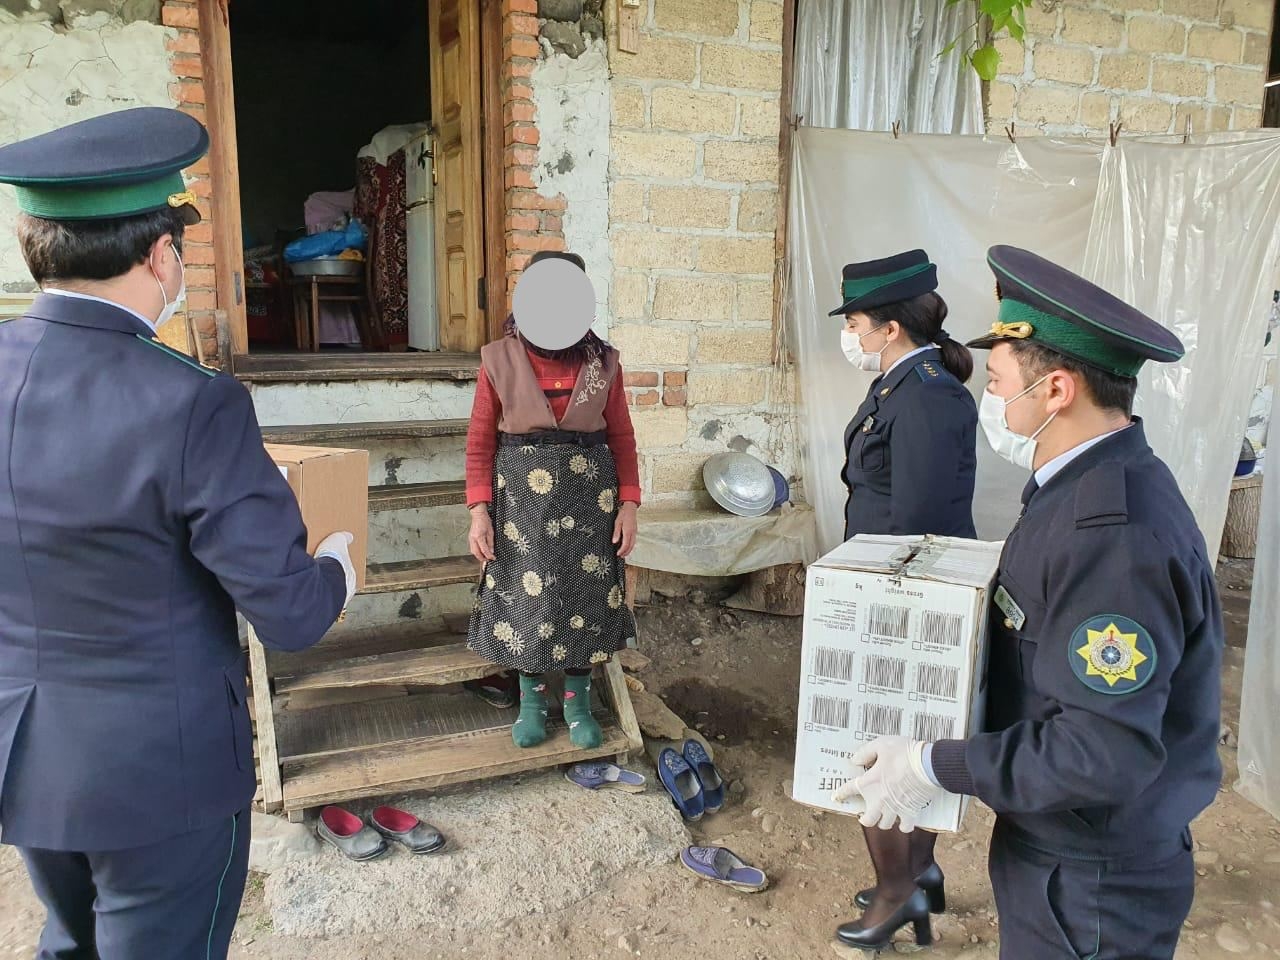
(921, 320)
(68, 250)
(589, 346)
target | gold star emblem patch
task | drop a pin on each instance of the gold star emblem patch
(1112, 655)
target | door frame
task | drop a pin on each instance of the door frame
(224, 160)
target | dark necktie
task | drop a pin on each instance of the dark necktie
(1029, 490)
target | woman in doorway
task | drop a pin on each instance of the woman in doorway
(553, 486)
(909, 468)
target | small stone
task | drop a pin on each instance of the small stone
(737, 788)
(698, 598)
(1201, 872)
(629, 943)
(751, 922)
(1232, 940)
(565, 11)
(564, 38)
(765, 924)
(697, 642)
(770, 823)
(806, 845)
(720, 736)
(974, 939)
(757, 813)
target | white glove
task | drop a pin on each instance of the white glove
(335, 546)
(895, 787)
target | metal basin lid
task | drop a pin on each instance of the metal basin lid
(739, 483)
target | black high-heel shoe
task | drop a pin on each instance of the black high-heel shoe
(914, 911)
(931, 882)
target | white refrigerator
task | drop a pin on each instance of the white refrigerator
(420, 244)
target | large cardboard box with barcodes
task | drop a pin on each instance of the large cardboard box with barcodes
(332, 487)
(894, 643)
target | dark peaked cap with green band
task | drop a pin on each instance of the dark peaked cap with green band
(116, 165)
(891, 280)
(1048, 304)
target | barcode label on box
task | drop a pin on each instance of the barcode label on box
(935, 680)
(888, 621)
(930, 727)
(832, 664)
(941, 629)
(887, 672)
(881, 720)
(829, 712)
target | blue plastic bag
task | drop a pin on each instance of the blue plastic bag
(328, 243)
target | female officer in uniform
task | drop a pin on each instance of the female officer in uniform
(909, 467)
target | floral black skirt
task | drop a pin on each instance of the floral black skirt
(554, 598)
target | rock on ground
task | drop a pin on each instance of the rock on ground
(276, 842)
(517, 847)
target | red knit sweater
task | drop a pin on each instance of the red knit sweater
(553, 376)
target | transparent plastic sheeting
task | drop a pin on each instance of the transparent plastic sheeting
(866, 64)
(1259, 752)
(713, 543)
(1186, 232)
(860, 196)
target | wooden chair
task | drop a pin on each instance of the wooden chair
(310, 292)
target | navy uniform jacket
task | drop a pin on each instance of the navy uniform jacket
(910, 453)
(1106, 647)
(138, 510)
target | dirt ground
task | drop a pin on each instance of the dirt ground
(739, 686)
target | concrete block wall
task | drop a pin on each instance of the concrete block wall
(1149, 64)
(692, 217)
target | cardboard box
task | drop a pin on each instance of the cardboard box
(894, 643)
(332, 487)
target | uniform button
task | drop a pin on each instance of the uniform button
(559, 384)
(1008, 624)
(884, 392)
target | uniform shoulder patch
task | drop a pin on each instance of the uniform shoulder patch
(1102, 497)
(927, 370)
(178, 355)
(1112, 654)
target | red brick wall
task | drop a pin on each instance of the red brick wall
(533, 222)
(188, 93)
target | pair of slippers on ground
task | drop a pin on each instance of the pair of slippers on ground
(693, 781)
(362, 842)
(717, 864)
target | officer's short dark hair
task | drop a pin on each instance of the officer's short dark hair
(1108, 391)
(68, 250)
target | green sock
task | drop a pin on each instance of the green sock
(583, 729)
(530, 728)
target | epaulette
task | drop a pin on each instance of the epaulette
(178, 355)
(927, 370)
(1102, 497)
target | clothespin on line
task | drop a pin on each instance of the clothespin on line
(1115, 132)
(896, 128)
(1186, 131)
(1011, 132)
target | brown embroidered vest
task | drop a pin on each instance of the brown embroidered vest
(525, 408)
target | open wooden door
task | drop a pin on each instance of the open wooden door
(224, 166)
(455, 112)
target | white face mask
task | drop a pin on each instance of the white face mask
(170, 307)
(851, 344)
(1014, 447)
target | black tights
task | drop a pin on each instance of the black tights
(898, 859)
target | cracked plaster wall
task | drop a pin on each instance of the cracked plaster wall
(69, 62)
(572, 99)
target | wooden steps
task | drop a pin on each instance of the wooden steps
(429, 764)
(407, 575)
(432, 666)
(328, 366)
(411, 496)
(356, 433)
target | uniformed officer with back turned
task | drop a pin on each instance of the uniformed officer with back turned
(138, 511)
(1105, 643)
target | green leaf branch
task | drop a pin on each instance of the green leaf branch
(999, 17)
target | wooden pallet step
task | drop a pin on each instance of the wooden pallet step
(412, 496)
(407, 575)
(365, 642)
(434, 666)
(430, 763)
(349, 434)
(326, 366)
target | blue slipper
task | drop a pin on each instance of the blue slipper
(720, 865)
(695, 754)
(682, 783)
(597, 774)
